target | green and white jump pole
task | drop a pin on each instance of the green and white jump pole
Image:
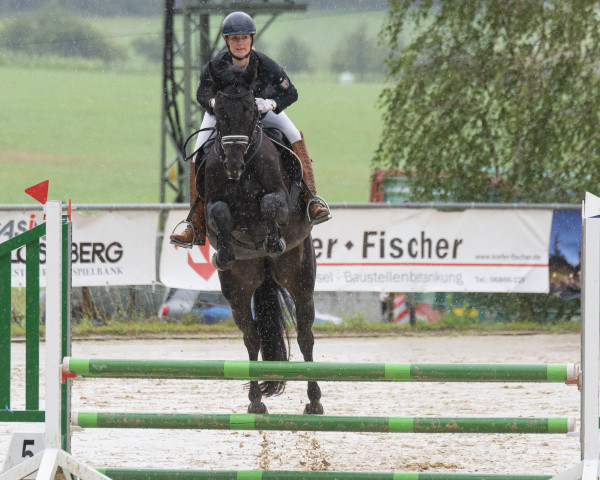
(138, 474)
(319, 371)
(324, 423)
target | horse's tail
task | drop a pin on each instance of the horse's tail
(273, 328)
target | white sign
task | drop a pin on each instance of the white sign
(403, 250)
(23, 446)
(186, 268)
(109, 248)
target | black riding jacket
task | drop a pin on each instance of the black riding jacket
(271, 82)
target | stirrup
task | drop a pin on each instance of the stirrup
(321, 201)
(191, 244)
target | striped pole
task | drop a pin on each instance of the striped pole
(140, 474)
(313, 371)
(323, 423)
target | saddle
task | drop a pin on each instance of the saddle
(290, 162)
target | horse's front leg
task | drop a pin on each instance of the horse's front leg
(220, 221)
(275, 212)
(240, 299)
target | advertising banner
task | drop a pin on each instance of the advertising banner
(109, 248)
(565, 254)
(404, 250)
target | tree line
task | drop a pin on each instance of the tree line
(53, 30)
(154, 7)
(85, 7)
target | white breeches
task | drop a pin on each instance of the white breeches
(271, 120)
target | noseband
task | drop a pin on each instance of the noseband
(243, 140)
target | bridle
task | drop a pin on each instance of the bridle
(229, 140)
(242, 140)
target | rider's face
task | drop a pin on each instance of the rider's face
(239, 44)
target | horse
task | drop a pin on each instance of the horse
(260, 231)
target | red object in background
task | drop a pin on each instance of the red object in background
(401, 310)
(423, 311)
(204, 269)
(39, 191)
(377, 191)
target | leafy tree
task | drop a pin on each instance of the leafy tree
(498, 95)
(357, 53)
(294, 55)
(53, 32)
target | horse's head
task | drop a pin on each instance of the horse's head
(235, 112)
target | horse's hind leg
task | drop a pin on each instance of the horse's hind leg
(306, 342)
(301, 284)
(251, 336)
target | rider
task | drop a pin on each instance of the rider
(274, 92)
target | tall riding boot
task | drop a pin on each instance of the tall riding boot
(195, 232)
(318, 210)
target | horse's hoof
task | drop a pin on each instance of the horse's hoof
(311, 409)
(261, 409)
(221, 267)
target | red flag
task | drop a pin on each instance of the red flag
(39, 192)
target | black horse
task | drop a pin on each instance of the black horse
(260, 231)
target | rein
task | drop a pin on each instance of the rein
(189, 157)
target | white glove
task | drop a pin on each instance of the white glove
(265, 106)
(211, 103)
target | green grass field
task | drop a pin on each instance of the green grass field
(95, 133)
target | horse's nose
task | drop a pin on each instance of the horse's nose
(234, 175)
(233, 168)
(234, 172)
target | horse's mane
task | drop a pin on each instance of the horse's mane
(225, 74)
(229, 75)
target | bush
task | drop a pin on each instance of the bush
(543, 309)
(53, 32)
(149, 49)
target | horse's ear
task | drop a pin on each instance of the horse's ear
(251, 69)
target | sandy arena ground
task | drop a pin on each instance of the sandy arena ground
(488, 453)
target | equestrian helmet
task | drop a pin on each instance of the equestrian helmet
(238, 23)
